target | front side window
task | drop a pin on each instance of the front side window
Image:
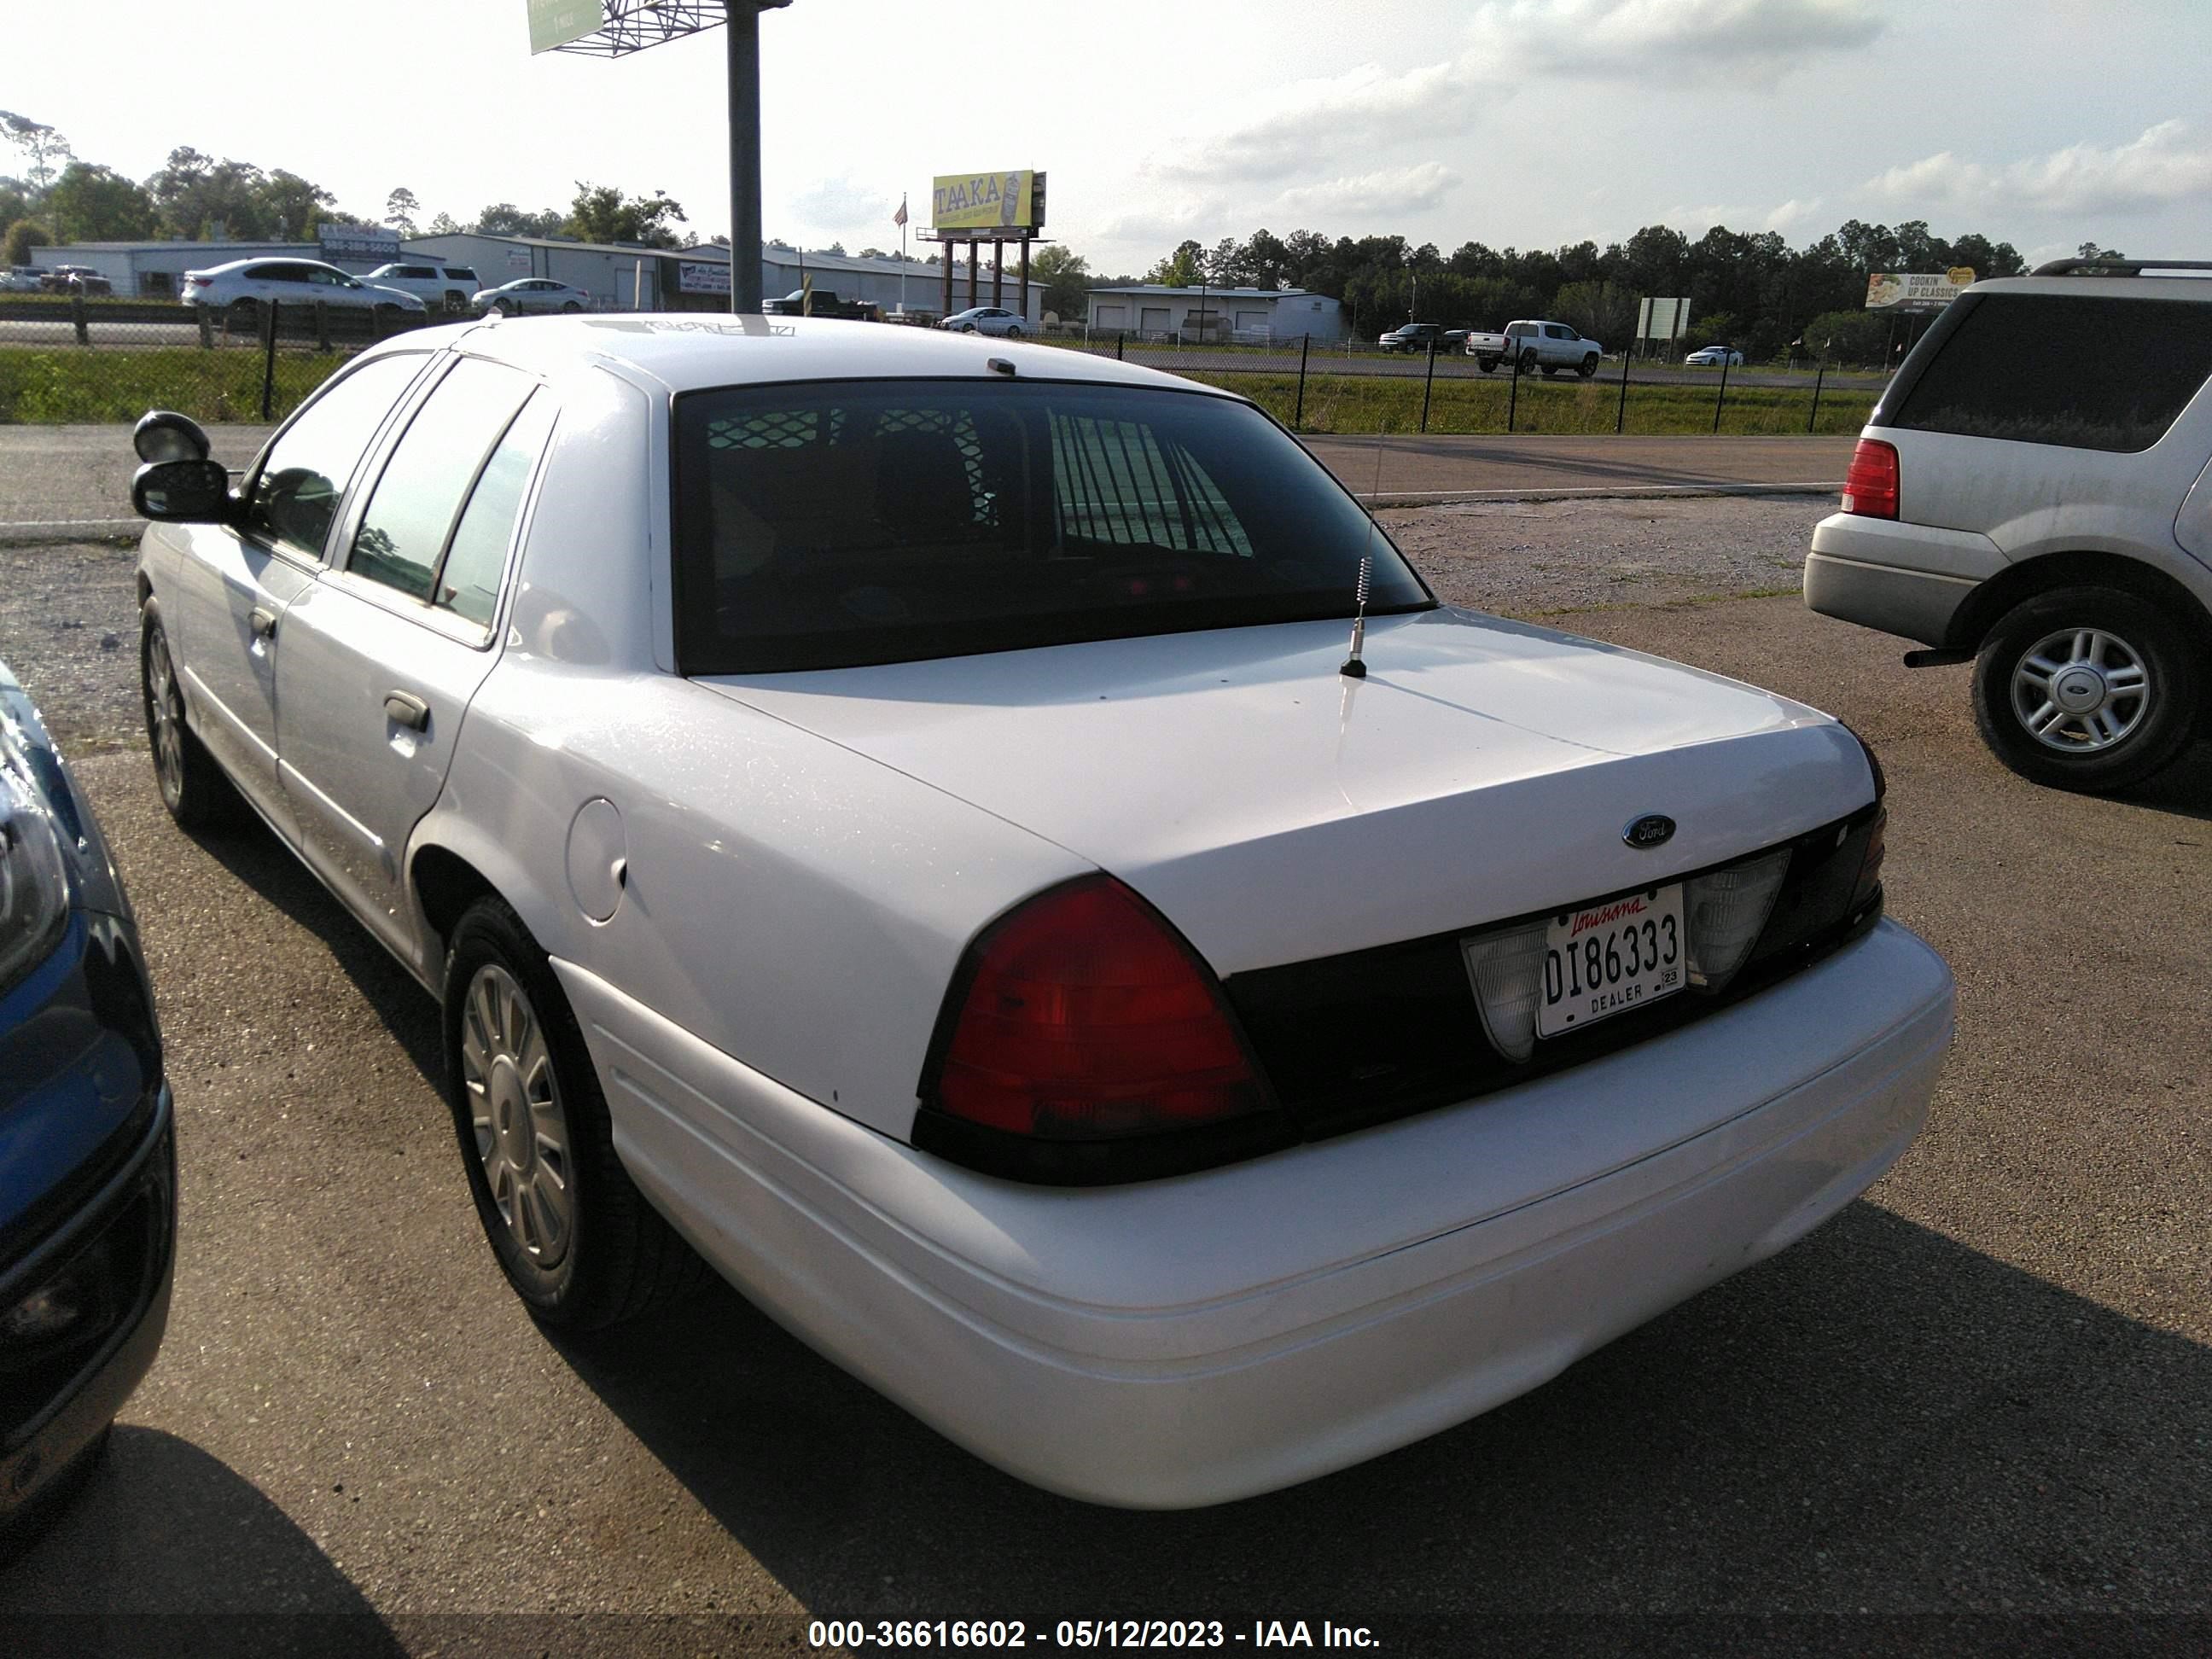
(403, 530)
(828, 526)
(2087, 373)
(294, 496)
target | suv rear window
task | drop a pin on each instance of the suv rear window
(826, 526)
(2087, 373)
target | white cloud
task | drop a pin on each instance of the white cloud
(1761, 38)
(1355, 110)
(2171, 163)
(1406, 189)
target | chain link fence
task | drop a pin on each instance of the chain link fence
(1359, 387)
(88, 359)
(85, 358)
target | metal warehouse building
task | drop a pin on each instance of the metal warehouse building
(886, 282)
(1250, 314)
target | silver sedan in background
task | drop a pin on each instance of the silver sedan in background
(527, 294)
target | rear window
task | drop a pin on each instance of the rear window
(2051, 369)
(830, 524)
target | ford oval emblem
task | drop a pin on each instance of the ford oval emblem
(1652, 830)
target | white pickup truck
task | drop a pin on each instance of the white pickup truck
(1548, 346)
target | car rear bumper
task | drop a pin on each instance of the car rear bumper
(1902, 578)
(1201, 1338)
(114, 1260)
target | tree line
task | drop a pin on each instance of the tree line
(58, 198)
(1749, 290)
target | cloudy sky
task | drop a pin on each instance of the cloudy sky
(2045, 123)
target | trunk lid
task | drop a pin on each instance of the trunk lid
(1277, 811)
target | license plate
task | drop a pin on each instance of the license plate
(1605, 960)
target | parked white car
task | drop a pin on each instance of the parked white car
(528, 293)
(19, 279)
(440, 286)
(2032, 493)
(936, 839)
(241, 286)
(1714, 356)
(986, 319)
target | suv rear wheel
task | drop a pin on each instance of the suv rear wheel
(2088, 689)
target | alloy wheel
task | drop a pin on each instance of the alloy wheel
(165, 720)
(520, 1129)
(2081, 690)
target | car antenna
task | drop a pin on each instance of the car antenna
(1354, 667)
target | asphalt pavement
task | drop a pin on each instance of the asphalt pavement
(1973, 1414)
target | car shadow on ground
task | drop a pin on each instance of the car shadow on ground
(2183, 788)
(1879, 1418)
(251, 852)
(168, 1550)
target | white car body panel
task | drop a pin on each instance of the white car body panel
(757, 891)
(1209, 772)
(1201, 1338)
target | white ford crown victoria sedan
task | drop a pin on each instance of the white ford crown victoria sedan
(905, 814)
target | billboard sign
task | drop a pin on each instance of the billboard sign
(1661, 320)
(1916, 291)
(378, 242)
(1012, 200)
(702, 277)
(555, 23)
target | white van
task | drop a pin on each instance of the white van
(2033, 493)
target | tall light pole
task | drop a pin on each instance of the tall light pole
(615, 28)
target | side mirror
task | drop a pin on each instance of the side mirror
(182, 491)
(162, 434)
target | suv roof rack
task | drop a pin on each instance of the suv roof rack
(2109, 267)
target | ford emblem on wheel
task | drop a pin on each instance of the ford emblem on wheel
(1652, 830)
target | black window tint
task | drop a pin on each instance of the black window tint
(295, 494)
(403, 531)
(460, 273)
(2053, 368)
(825, 525)
(468, 584)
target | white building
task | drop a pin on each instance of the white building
(619, 276)
(890, 284)
(1249, 314)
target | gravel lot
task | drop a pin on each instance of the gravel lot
(1971, 1415)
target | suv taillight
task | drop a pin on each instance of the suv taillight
(1082, 1016)
(1870, 486)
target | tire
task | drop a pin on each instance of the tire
(1014, 331)
(575, 1238)
(500, 307)
(2102, 733)
(193, 788)
(570, 305)
(242, 315)
(1487, 365)
(1588, 368)
(1528, 360)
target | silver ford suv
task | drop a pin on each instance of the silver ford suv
(2033, 493)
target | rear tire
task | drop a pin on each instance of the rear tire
(575, 1238)
(571, 305)
(1487, 365)
(193, 788)
(242, 316)
(1528, 360)
(2088, 689)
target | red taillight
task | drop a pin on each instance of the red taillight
(1870, 486)
(1085, 1017)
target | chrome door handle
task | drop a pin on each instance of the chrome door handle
(407, 710)
(263, 622)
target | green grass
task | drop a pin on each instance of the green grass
(1365, 403)
(69, 384)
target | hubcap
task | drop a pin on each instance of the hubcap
(165, 714)
(520, 1130)
(2081, 691)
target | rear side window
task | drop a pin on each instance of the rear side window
(468, 584)
(2050, 369)
(403, 531)
(460, 273)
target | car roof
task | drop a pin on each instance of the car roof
(689, 351)
(2104, 287)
